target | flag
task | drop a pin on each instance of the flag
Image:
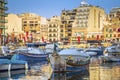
(24, 39)
(97, 37)
(26, 33)
(78, 39)
(42, 39)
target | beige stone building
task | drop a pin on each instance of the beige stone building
(88, 24)
(85, 22)
(54, 29)
(14, 24)
(67, 19)
(31, 24)
(44, 29)
(112, 27)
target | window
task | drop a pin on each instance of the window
(106, 30)
(106, 35)
(118, 35)
(114, 35)
(114, 29)
(119, 30)
(110, 35)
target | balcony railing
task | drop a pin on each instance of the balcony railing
(3, 21)
(4, 1)
(4, 7)
(4, 14)
(3, 27)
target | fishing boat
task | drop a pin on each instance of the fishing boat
(8, 65)
(31, 53)
(19, 64)
(5, 65)
(68, 60)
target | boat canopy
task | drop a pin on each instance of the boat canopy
(35, 51)
(35, 44)
(72, 52)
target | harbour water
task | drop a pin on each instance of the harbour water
(104, 71)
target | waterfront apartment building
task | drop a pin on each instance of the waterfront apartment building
(83, 23)
(54, 29)
(3, 14)
(31, 25)
(44, 29)
(30, 22)
(88, 24)
(14, 24)
(112, 28)
(67, 19)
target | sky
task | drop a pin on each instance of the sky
(49, 8)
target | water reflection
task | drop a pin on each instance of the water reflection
(7, 75)
(104, 71)
(79, 75)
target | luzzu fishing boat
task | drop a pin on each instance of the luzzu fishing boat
(69, 60)
(77, 63)
(32, 53)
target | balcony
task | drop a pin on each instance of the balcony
(3, 27)
(4, 7)
(3, 21)
(4, 1)
(4, 14)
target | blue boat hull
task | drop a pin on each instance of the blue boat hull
(31, 58)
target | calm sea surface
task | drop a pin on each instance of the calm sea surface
(104, 71)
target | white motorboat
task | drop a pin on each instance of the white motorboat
(111, 54)
(93, 51)
(31, 54)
